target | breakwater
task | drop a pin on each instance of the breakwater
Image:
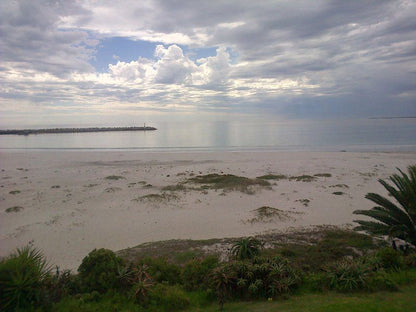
(73, 130)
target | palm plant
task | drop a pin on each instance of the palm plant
(395, 220)
(246, 248)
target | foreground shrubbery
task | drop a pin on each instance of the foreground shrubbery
(106, 283)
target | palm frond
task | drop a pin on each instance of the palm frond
(396, 220)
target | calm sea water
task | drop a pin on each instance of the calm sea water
(329, 135)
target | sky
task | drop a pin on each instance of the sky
(91, 62)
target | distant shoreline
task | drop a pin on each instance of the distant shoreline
(398, 117)
(73, 130)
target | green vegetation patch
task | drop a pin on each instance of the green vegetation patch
(303, 178)
(91, 185)
(228, 182)
(14, 192)
(323, 175)
(112, 189)
(268, 214)
(114, 177)
(176, 251)
(174, 188)
(273, 177)
(340, 186)
(338, 193)
(14, 209)
(157, 198)
(304, 201)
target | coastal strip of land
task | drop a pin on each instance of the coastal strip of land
(73, 130)
(67, 203)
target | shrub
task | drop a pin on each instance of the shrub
(390, 259)
(99, 270)
(60, 285)
(22, 277)
(162, 271)
(316, 281)
(196, 272)
(381, 281)
(168, 298)
(410, 260)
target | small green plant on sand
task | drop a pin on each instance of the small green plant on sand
(268, 214)
(303, 178)
(14, 209)
(273, 177)
(155, 198)
(14, 192)
(323, 175)
(114, 177)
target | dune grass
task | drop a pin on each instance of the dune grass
(14, 209)
(114, 177)
(228, 182)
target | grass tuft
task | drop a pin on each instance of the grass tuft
(164, 197)
(323, 175)
(114, 177)
(303, 178)
(273, 177)
(14, 209)
(268, 214)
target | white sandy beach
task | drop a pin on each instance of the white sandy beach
(68, 207)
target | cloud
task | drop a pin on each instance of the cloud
(281, 57)
(31, 38)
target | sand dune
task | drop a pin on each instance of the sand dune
(69, 202)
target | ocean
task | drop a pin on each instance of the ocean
(396, 134)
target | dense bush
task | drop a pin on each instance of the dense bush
(381, 281)
(390, 259)
(165, 297)
(196, 272)
(410, 260)
(162, 271)
(22, 277)
(60, 285)
(99, 270)
(262, 277)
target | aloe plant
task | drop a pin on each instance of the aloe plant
(22, 277)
